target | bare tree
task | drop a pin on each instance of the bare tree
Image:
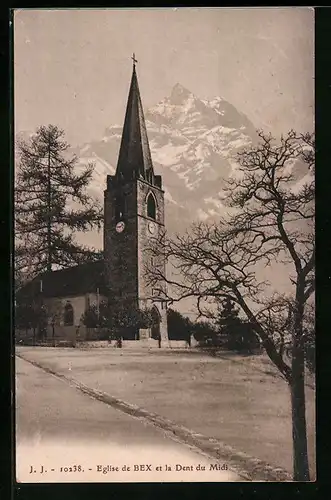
(269, 222)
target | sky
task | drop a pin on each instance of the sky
(72, 67)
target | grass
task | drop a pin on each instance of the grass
(239, 400)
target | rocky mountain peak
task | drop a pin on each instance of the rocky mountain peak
(179, 94)
(193, 145)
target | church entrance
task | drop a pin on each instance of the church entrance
(156, 319)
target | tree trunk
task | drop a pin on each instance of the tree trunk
(298, 398)
(299, 427)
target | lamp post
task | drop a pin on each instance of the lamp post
(98, 305)
(53, 331)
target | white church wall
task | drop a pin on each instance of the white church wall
(56, 305)
(77, 332)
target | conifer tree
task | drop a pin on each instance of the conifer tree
(227, 319)
(229, 325)
(238, 334)
(51, 205)
(179, 326)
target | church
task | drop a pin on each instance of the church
(133, 216)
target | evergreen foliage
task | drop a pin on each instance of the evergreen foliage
(51, 205)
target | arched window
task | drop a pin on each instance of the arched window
(68, 315)
(151, 206)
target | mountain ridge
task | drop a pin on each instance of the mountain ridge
(193, 145)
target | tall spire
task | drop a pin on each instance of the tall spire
(134, 158)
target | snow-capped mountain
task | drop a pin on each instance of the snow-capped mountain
(193, 144)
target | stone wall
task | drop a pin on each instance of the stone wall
(126, 253)
(121, 248)
(146, 239)
(146, 260)
(55, 307)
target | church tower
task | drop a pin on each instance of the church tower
(134, 215)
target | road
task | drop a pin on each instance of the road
(63, 435)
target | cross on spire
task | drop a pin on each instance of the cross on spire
(134, 157)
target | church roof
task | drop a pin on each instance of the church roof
(134, 158)
(73, 281)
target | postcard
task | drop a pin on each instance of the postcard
(164, 245)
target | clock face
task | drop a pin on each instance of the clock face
(152, 227)
(120, 226)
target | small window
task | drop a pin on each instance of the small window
(150, 176)
(151, 206)
(68, 315)
(119, 207)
